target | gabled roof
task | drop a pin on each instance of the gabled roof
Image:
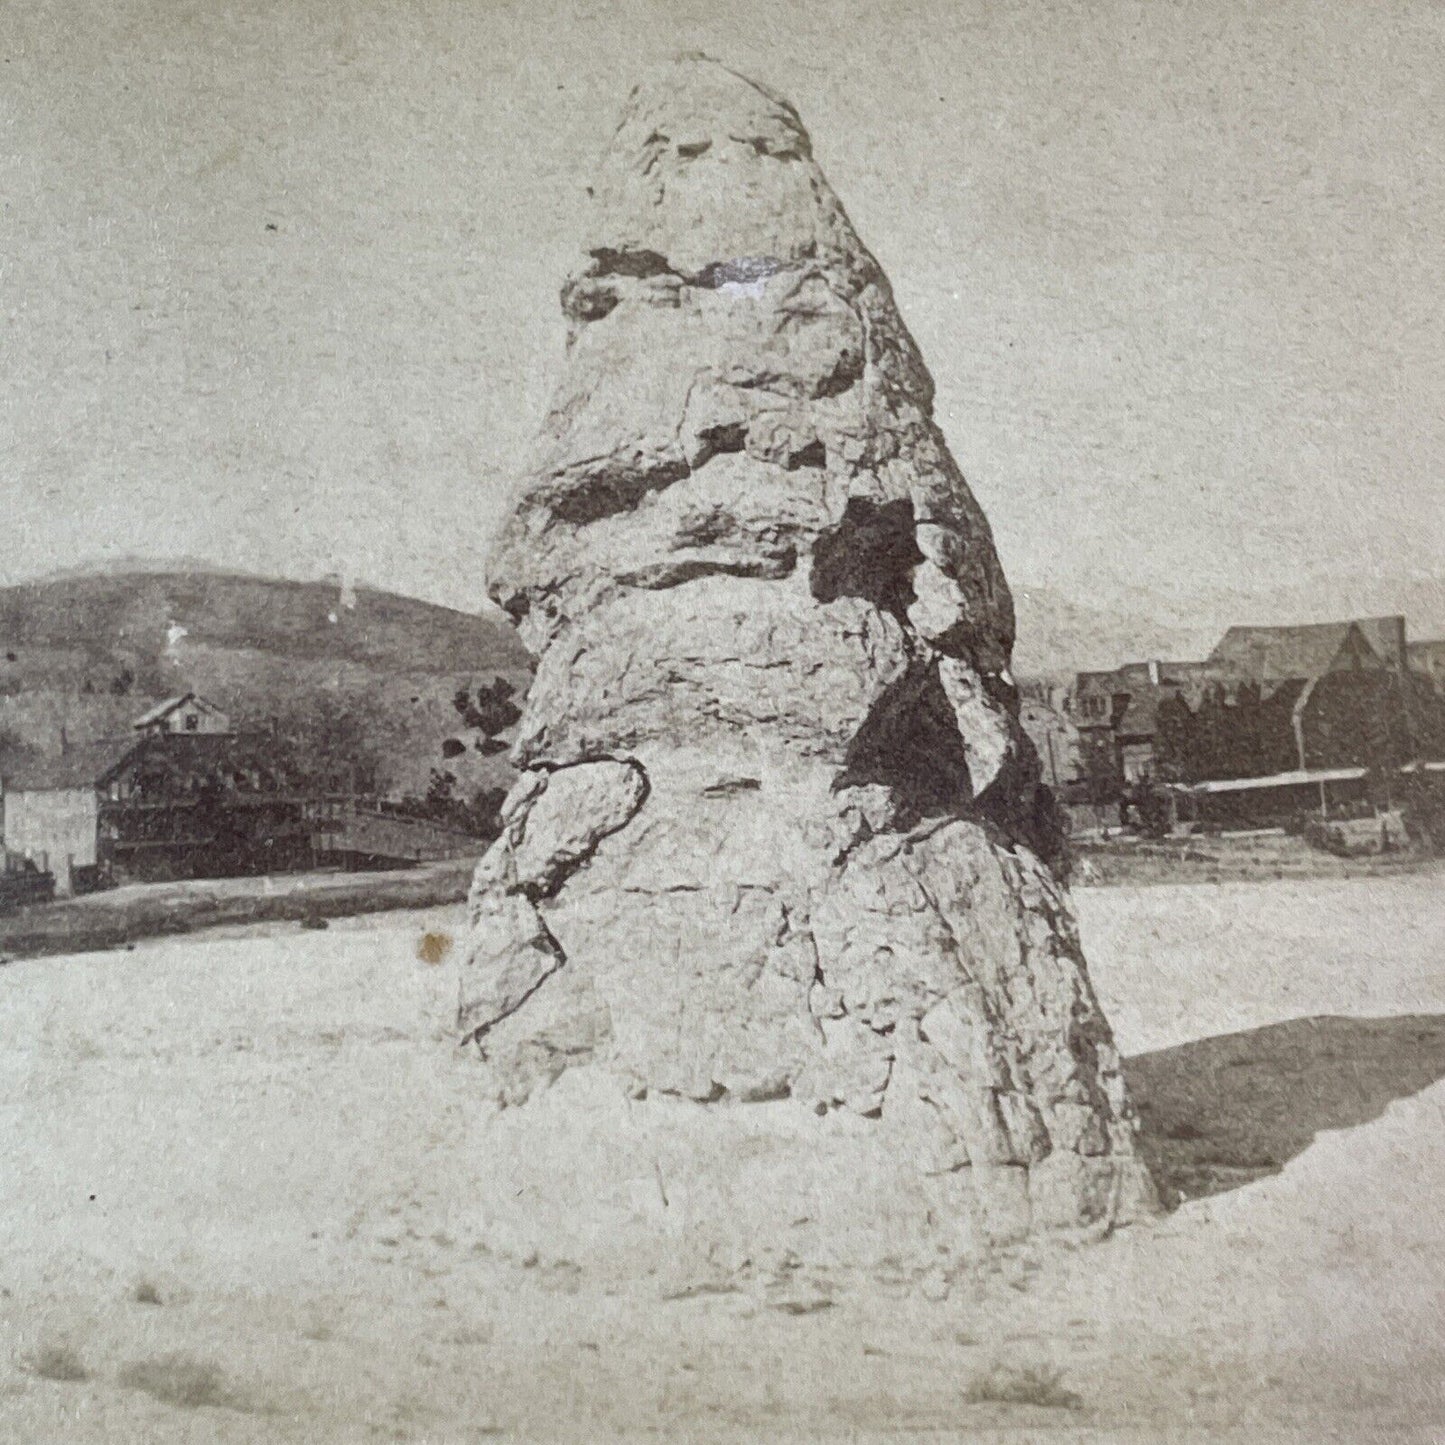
(1387, 636)
(1189, 680)
(177, 755)
(189, 757)
(1143, 686)
(172, 704)
(1308, 650)
(182, 752)
(1142, 674)
(28, 770)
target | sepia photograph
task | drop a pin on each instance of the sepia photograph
(722, 722)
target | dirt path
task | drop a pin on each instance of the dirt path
(150, 910)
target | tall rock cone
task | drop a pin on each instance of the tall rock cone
(772, 956)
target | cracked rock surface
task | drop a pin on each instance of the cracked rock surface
(778, 873)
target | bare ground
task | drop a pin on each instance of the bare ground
(236, 1207)
(1236, 858)
(121, 917)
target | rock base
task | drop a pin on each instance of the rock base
(726, 1192)
(731, 1012)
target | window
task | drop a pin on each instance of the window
(193, 722)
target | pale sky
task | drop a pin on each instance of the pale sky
(1176, 269)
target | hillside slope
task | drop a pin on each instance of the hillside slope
(1061, 633)
(82, 655)
(1057, 635)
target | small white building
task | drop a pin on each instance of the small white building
(50, 810)
(188, 713)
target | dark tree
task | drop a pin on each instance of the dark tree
(1247, 732)
(486, 713)
(1424, 811)
(1151, 809)
(1357, 719)
(1212, 747)
(1176, 741)
(329, 740)
(1103, 781)
(441, 791)
(489, 714)
(480, 816)
(1426, 706)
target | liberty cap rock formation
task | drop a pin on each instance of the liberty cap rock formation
(771, 954)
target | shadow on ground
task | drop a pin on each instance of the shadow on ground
(1219, 1113)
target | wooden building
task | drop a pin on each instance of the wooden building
(1277, 654)
(1117, 712)
(1317, 696)
(194, 804)
(50, 811)
(186, 796)
(1043, 714)
(187, 714)
(1427, 660)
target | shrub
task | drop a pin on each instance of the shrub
(1151, 810)
(179, 1380)
(58, 1362)
(1033, 1385)
(1424, 813)
(1318, 834)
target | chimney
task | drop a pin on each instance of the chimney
(1153, 674)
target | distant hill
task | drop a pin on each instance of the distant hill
(1057, 636)
(88, 651)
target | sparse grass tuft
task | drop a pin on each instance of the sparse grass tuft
(1032, 1385)
(57, 1362)
(806, 1304)
(473, 1335)
(181, 1381)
